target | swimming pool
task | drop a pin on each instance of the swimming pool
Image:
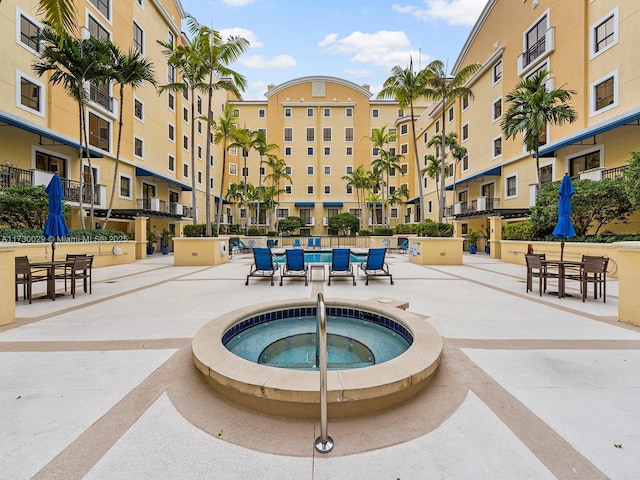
(320, 257)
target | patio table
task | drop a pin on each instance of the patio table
(562, 272)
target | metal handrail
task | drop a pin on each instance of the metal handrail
(324, 443)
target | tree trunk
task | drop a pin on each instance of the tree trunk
(117, 163)
(415, 153)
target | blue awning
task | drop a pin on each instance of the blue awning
(592, 131)
(331, 204)
(490, 172)
(414, 200)
(143, 172)
(305, 204)
(23, 124)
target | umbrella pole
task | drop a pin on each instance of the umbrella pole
(561, 249)
(53, 250)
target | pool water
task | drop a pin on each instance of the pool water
(290, 343)
(320, 257)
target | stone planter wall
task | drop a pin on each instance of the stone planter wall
(436, 250)
(200, 250)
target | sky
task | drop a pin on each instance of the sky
(359, 41)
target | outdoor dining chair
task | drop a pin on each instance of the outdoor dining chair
(594, 270)
(26, 277)
(537, 269)
(294, 266)
(81, 270)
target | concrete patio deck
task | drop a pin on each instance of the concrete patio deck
(530, 387)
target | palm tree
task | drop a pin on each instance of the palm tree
(444, 89)
(359, 180)
(264, 149)
(385, 163)
(433, 169)
(235, 193)
(531, 108)
(60, 15)
(132, 70)
(451, 141)
(226, 132)
(407, 86)
(216, 55)
(278, 173)
(74, 63)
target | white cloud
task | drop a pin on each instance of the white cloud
(260, 62)
(255, 91)
(238, 3)
(244, 33)
(454, 12)
(359, 73)
(382, 49)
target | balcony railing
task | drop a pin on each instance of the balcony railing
(101, 98)
(540, 49)
(12, 176)
(480, 204)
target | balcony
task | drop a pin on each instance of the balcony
(541, 49)
(101, 98)
(598, 174)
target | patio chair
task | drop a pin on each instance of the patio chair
(594, 270)
(295, 266)
(263, 265)
(80, 268)
(310, 242)
(403, 246)
(317, 242)
(537, 269)
(341, 265)
(296, 243)
(26, 277)
(375, 265)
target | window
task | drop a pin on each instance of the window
(497, 147)
(185, 170)
(375, 152)
(310, 170)
(425, 138)
(349, 190)
(404, 148)
(430, 206)
(327, 170)
(375, 113)
(404, 129)
(185, 93)
(535, 42)
(199, 176)
(171, 76)
(309, 112)
(185, 142)
(236, 113)
(400, 113)
(450, 114)
(349, 151)
(326, 134)
(326, 151)
(172, 133)
(211, 183)
(96, 30)
(171, 101)
(282, 212)
(348, 134)
(465, 102)
(465, 132)
(309, 189)
(171, 164)
(99, 132)
(199, 126)
(287, 151)
(233, 169)
(287, 112)
(138, 38)
(546, 174)
(310, 152)
(437, 126)
(348, 169)
(288, 190)
(311, 134)
(605, 33)
(511, 186)
(348, 112)
(497, 109)
(31, 95)
(199, 151)
(262, 171)
(138, 147)
(170, 37)
(404, 168)
(243, 212)
(125, 186)
(262, 113)
(288, 134)
(199, 105)
(604, 93)
(138, 109)
(497, 72)
(49, 163)
(465, 163)
(185, 114)
(288, 170)
(394, 212)
(29, 31)
(327, 189)
(326, 112)
(583, 162)
(102, 6)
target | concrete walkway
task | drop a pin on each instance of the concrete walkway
(530, 387)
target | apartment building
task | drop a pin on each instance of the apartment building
(39, 122)
(587, 47)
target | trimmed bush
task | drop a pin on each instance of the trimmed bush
(364, 233)
(383, 231)
(429, 228)
(518, 231)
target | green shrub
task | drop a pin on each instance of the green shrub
(518, 231)
(364, 232)
(429, 228)
(272, 233)
(194, 230)
(383, 231)
(405, 228)
(255, 232)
